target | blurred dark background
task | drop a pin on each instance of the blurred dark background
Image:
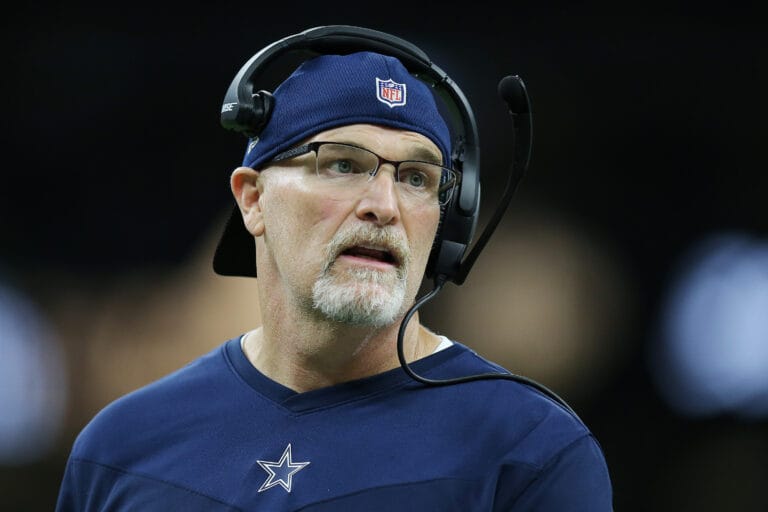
(633, 257)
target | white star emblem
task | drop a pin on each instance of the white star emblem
(281, 472)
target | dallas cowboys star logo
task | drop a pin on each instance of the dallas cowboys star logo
(281, 472)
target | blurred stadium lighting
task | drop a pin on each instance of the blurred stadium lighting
(32, 382)
(711, 354)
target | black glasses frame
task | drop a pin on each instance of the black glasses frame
(314, 146)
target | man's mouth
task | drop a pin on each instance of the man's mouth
(369, 247)
(372, 254)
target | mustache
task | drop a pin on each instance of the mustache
(385, 238)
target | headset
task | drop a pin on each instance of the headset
(248, 112)
(246, 109)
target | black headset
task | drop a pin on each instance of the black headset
(247, 110)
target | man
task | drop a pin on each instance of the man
(342, 195)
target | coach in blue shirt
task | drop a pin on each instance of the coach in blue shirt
(341, 196)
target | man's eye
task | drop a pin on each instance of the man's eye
(346, 166)
(342, 167)
(416, 179)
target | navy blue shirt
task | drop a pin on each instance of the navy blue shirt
(218, 435)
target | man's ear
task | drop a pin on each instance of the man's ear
(246, 187)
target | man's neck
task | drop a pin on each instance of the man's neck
(310, 357)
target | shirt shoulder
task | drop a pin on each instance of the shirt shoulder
(144, 417)
(530, 432)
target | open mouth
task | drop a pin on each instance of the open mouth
(373, 254)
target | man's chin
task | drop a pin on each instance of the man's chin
(374, 288)
(372, 298)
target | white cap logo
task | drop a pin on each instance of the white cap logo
(390, 92)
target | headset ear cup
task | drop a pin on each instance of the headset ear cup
(455, 228)
(436, 244)
(263, 105)
(254, 115)
(451, 245)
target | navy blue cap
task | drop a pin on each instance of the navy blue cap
(323, 93)
(336, 90)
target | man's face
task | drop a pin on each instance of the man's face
(352, 255)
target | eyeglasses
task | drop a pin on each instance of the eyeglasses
(345, 167)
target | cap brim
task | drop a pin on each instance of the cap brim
(236, 252)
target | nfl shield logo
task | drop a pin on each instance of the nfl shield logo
(390, 92)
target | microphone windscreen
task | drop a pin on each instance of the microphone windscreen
(512, 91)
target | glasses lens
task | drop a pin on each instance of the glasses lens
(339, 161)
(429, 182)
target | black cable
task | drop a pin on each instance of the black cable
(439, 283)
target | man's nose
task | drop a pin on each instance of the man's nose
(379, 200)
